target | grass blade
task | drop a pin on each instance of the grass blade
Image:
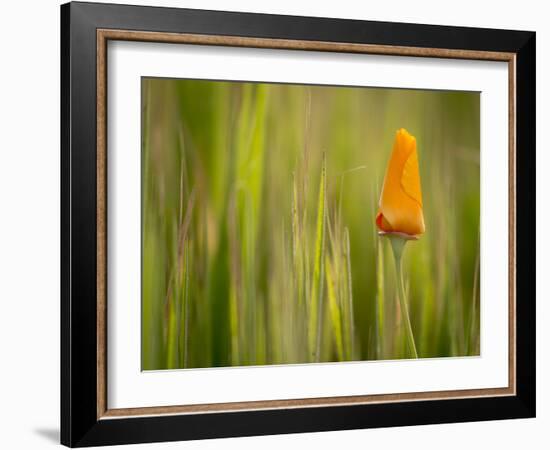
(316, 301)
(350, 320)
(334, 307)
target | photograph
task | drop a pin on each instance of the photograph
(292, 223)
(279, 220)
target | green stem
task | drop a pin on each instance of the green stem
(398, 245)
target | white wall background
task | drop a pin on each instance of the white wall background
(29, 224)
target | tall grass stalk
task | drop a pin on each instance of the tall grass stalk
(335, 309)
(318, 281)
(176, 287)
(350, 320)
(473, 334)
(398, 245)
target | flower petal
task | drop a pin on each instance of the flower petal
(400, 207)
(410, 178)
(382, 222)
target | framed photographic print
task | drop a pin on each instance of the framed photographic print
(276, 224)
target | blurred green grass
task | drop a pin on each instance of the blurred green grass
(258, 238)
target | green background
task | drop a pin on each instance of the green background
(259, 244)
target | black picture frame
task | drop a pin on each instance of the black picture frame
(80, 425)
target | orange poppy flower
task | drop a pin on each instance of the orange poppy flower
(400, 208)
